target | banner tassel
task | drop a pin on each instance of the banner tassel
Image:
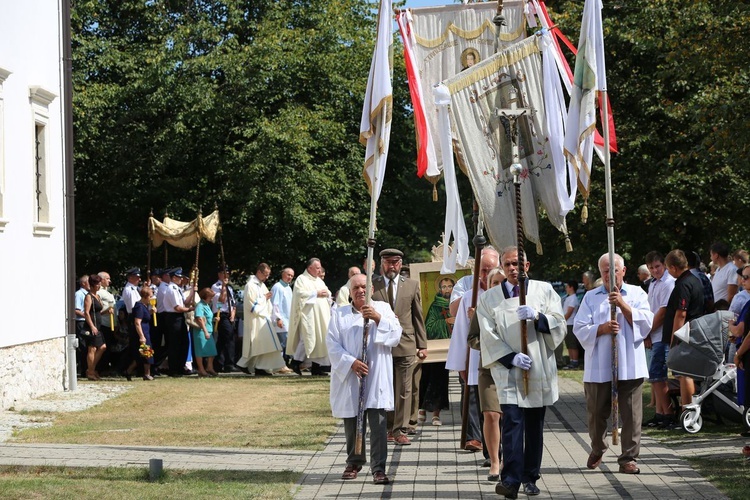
(585, 211)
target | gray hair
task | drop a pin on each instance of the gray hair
(618, 260)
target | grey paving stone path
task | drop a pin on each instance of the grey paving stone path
(433, 466)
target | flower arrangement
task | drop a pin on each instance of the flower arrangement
(146, 351)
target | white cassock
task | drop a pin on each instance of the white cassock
(344, 341)
(308, 320)
(631, 354)
(500, 331)
(456, 359)
(261, 348)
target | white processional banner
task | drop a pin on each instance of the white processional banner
(451, 38)
(484, 148)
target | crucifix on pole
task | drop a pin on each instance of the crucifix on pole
(512, 114)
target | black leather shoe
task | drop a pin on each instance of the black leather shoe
(295, 366)
(261, 373)
(530, 489)
(507, 490)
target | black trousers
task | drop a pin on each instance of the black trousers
(158, 338)
(178, 341)
(224, 343)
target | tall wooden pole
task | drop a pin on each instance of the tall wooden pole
(513, 113)
(479, 242)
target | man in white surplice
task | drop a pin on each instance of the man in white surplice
(261, 349)
(344, 341)
(308, 320)
(596, 331)
(500, 315)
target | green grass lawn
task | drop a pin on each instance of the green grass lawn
(61, 483)
(237, 412)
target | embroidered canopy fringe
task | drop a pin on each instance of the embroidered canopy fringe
(484, 147)
(184, 234)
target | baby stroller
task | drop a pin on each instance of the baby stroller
(700, 355)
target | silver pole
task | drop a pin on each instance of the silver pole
(611, 249)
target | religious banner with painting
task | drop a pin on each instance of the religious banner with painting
(482, 141)
(442, 41)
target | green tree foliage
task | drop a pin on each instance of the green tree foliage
(250, 105)
(255, 106)
(678, 80)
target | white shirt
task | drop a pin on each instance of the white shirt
(456, 359)
(738, 302)
(395, 287)
(631, 354)
(463, 285)
(130, 296)
(570, 301)
(723, 277)
(172, 298)
(223, 306)
(281, 298)
(658, 297)
(161, 294)
(344, 342)
(108, 304)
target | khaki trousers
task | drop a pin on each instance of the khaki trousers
(599, 407)
(403, 372)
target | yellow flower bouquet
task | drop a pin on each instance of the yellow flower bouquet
(146, 351)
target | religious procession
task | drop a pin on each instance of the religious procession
(489, 97)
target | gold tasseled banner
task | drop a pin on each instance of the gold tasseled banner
(568, 244)
(539, 250)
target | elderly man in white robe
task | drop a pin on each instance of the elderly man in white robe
(344, 341)
(500, 316)
(308, 320)
(261, 348)
(595, 330)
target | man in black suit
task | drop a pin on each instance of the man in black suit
(405, 300)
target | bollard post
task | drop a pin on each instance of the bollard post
(155, 469)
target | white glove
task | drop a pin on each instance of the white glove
(527, 312)
(522, 361)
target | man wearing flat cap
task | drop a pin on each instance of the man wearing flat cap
(406, 302)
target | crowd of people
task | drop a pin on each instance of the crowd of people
(506, 333)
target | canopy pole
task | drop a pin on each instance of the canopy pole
(150, 244)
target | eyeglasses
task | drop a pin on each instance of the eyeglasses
(745, 277)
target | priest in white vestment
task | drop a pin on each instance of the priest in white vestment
(261, 349)
(344, 341)
(308, 320)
